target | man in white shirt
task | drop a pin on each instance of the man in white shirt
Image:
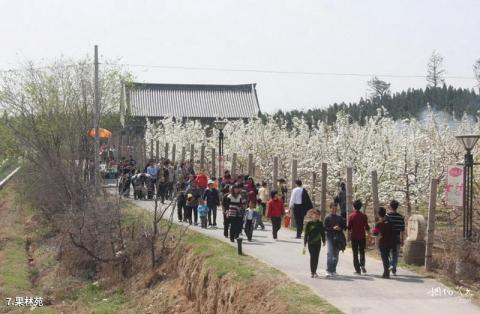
(300, 204)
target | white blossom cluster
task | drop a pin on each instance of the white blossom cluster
(406, 154)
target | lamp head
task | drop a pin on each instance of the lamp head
(220, 124)
(468, 141)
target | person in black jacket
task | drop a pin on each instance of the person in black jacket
(211, 196)
(314, 236)
(225, 204)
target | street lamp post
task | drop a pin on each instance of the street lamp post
(468, 142)
(220, 125)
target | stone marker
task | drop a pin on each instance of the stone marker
(414, 249)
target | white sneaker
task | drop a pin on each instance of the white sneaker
(328, 274)
(334, 273)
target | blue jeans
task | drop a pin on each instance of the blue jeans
(394, 257)
(332, 256)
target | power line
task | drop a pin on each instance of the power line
(264, 71)
(191, 68)
(45, 67)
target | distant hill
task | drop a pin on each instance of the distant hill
(407, 104)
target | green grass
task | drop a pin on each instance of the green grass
(14, 273)
(302, 300)
(99, 300)
(223, 257)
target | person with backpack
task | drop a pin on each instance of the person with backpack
(384, 232)
(202, 210)
(357, 228)
(314, 237)
(336, 242)
(300, 204)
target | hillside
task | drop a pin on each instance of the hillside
(406, 104)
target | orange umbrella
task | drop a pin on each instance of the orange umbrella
(103, 133)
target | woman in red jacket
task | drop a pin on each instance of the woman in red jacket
(275, 211)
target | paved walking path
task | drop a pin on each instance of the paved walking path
(406, 293)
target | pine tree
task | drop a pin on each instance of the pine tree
(435, 70)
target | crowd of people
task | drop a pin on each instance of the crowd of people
(246, 204)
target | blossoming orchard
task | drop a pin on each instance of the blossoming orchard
(406, 154)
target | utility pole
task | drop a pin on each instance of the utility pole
(96, 122)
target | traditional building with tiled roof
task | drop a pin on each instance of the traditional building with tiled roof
(143, 101)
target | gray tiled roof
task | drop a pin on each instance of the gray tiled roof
(192, 101)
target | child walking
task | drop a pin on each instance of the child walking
(203, 213)
(386, 242)
(259, 213)
(249, 218)
(314, 237)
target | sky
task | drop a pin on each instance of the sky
(368, 37)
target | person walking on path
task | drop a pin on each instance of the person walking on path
(152, 171)
(202, 210)
(181, 204)
(314, 237)
(213, 200)
(300, 204)
(251, 190)
(384, 231)
(357, 227)
(275, 211)
(341, 200)
(193, 201)
(162, 182)
(234, 213)
(249, 220)
(398, 224)
(260, 211)
(226, 221)
(263, 195)
(282, 186)
(336, 242)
